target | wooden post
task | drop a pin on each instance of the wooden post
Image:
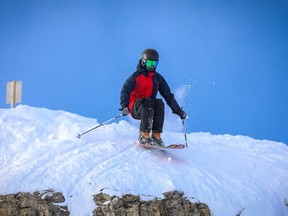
(13, 94)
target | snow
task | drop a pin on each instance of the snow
(40, 150)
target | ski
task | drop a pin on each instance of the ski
(172, 146)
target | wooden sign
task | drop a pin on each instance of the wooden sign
(14, 92)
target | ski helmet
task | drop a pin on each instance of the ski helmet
(150, 58)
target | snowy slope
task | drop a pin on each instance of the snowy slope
(39, 150)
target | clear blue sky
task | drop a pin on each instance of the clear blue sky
(76, 55)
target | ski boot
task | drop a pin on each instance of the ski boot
(144, 138)
(156, 139)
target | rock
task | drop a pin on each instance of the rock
(41, 203)
(174, 203)
(21, 204)
(53, 197)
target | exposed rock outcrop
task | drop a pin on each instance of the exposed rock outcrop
(173, 203)
(42, 204)
(38, 203)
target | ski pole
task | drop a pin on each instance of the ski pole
(185, 135)
(104, 123)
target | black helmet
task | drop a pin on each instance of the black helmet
(152, 55)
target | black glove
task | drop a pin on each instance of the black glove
(125, 111)
(182, 114)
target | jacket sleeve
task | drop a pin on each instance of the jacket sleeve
(166, 93)
(126, 91)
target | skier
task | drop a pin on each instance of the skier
(138, 97)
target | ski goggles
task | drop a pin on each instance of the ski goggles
(150, 63)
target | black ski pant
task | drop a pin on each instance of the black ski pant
(151, 113)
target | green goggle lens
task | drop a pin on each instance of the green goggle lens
(150, 63)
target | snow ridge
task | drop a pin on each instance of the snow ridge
(232, 174)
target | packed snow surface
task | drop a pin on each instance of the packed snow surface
(40, 150)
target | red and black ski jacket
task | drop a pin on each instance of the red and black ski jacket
(145, 84)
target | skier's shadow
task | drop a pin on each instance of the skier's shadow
(167, 155)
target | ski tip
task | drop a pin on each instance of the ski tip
(79, 136)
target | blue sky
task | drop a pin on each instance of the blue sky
(76, 55)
